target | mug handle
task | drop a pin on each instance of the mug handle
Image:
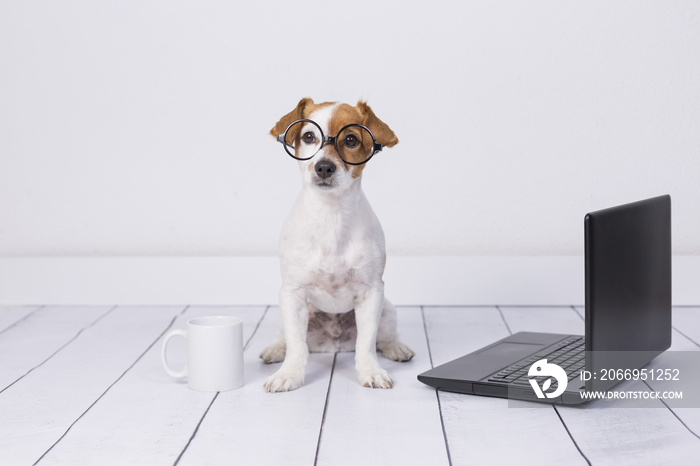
(164, 359)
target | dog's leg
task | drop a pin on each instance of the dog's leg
(295, 320)
(277, 350)
(367, 315)
(387, 339)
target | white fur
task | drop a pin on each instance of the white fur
(332, 256)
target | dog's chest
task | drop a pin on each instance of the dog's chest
(334, 284)
(333, 275)
(332, 253)
(334, 292)
(332, 279)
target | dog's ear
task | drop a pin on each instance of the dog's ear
(382, 133)
(294, 115)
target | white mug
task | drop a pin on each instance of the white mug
(214, 353)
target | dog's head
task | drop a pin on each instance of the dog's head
(334, 142)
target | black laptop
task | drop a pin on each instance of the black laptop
(628, 318)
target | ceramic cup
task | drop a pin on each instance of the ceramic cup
(214, 353)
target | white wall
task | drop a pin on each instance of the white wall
(140, 127)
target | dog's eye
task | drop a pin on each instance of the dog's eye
(308, 137)
(350, 141)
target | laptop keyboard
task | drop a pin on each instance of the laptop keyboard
(568, 354)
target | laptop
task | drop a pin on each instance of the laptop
(628, 318)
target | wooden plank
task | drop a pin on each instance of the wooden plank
(687, 321)
(41, 407)
(29, 343)
(483, 429)
(11, 315)
(249, 426)
(544, 319)
(148, 417)
(608, 432)
(456, 331)
(397, 426)
(615, 432)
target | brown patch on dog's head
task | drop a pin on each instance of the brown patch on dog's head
(362, 114)
(304, 108)
(296, 114)
(382, 133)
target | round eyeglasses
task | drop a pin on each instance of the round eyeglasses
(354, 143)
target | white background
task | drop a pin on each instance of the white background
(139, 128)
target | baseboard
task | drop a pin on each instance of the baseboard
(443, 281)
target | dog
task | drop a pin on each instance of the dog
(332, 248)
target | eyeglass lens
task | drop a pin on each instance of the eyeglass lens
(355, 144)
(303, 140)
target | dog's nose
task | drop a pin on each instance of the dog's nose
(324, 169)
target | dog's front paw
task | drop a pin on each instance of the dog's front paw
(274, 353)
(397, 351)
(283, 381)
(375, 378)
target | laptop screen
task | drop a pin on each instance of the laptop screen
(628, 284)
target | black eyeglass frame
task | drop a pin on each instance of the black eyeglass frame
(281, 138)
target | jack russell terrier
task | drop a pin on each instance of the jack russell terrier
(332, 248)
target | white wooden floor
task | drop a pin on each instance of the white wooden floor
(83, 385)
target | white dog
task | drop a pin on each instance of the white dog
(332, 248)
